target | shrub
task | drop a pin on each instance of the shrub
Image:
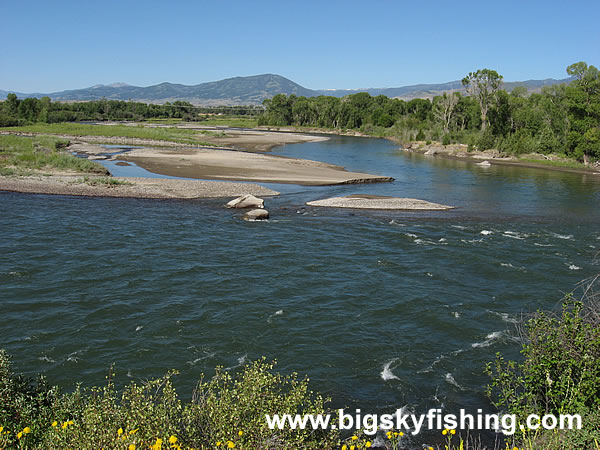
(559, 374)
(227, 408)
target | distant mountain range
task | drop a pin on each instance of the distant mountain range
(251, 91)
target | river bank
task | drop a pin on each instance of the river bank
(461, 152)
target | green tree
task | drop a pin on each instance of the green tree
(483, 85)
(583, 98)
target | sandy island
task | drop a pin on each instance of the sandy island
(61, 183)
(364, 201)
(243, 166)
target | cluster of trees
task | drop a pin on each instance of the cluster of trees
(14, 111)
(562, 119)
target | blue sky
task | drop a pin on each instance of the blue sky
(51, 46)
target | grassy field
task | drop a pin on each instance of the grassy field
(171, 134)
(20, 155)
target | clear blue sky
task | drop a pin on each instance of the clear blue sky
(55, 45)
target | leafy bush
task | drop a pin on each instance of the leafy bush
(559, 375)
(225, 409)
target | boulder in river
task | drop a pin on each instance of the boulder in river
(246, 201)
(256, 214)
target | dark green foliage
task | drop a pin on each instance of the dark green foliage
(15, 112)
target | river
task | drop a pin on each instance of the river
(381, 310)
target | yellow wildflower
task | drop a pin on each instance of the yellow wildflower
(120, 431)
(389, 434)
(218, 443)
(26, 430)
(172, 439)
(354, 438)
(131, 447)
(344, 447)
(367, 444)
(352, 447)
(452, 431)
(445, 432)
(70, 422)
(230, 444)
(1, 429)
(401, 434)
(240, 433)
(396, 433)
(54, 423)
(19, 435)
(64, 425)
(133, 431)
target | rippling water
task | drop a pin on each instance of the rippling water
(380, 309)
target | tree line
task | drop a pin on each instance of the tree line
(15, 111)
(562, 119)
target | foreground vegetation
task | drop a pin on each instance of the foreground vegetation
(562, 119)
(20, 155)
(559, 374)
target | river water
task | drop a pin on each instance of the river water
(381, 310)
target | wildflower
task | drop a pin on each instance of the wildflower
(389, 434)
(158, 444)
(54, 423)
(240, 433)
(70, 422)
(133, 431)
(344, 447)
(452, 431)
(26, 430)
(396, 433)
(131, 447)
(120, 431)
(368, 444)
(401, 434)
(1, 429)
(354, 438)
(64, 425)
(230, 444)
(352, 447)
(445, 432)
(218, 443)
(172, 439)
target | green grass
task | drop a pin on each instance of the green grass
(18, 154)
(171, 134)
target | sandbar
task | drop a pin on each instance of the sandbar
(364, 201)
(236, 165)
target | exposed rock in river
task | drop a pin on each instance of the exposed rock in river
(256, 214)
(246, 201)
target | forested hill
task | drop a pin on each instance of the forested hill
(250, 90)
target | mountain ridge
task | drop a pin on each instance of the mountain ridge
(251, 90)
